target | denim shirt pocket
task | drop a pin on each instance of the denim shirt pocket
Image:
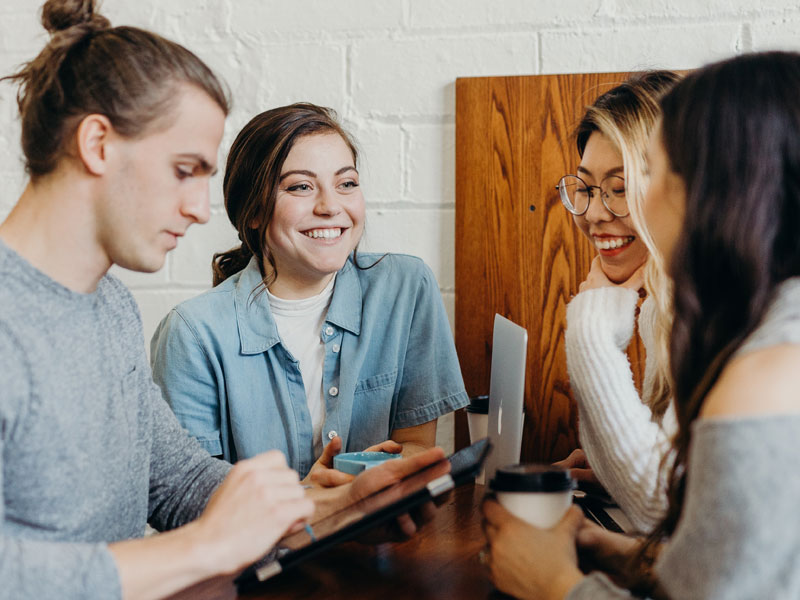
(373, 410)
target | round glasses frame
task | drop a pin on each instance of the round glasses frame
(613, 201)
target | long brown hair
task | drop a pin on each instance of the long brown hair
(89, 67)
(731, 131)
(252, 175)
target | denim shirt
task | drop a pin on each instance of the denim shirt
(390, 363)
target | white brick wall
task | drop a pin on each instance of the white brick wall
(389, 67)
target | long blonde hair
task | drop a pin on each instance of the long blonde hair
(627, 115)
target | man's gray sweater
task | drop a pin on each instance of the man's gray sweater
(90, 451)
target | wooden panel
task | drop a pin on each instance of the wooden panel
(518, 252)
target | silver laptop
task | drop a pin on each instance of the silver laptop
(506, 394)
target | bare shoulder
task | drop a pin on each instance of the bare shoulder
(761, 382)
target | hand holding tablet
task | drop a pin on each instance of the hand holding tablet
(375, 498)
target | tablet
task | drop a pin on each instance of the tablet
(351, 521)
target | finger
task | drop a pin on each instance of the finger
(490, 531)
(267, 460)
(406, 525)
(388, 446)
(289, 513)
(273, 495)
(576, 458)
(406, 466)
(582, 474)
(571, 521)
(331, 449)
(331, 478)
(495, 514)
(589, 535)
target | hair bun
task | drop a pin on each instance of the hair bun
(58, 15)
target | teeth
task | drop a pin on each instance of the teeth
(324, 233)
(612, 243)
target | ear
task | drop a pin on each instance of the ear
(92, 138)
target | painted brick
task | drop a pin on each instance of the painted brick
(713, 9)
(779, 34)
(417, 77)
(380, 160)
(431, 163)
(154, 306)
(622, 49)
(427, 233)
(190, 262)
(300, 73)
(135, 280)
(22, 34)
(266, 19)
(455, 13)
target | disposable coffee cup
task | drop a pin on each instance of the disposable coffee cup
(538, 494)
(478, 422)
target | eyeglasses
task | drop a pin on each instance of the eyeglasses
(576, 193)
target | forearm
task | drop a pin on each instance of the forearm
(622, 442)
(160, 565)
(416, 439)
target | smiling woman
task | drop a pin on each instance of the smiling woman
(624, 435)
(305, 345)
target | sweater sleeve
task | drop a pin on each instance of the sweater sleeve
(597, 586)
(623, 444)
(31, 568)
(182, 474)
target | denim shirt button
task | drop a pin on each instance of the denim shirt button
(332, 434)
(334, 391)
(336, 348)
(329, 330)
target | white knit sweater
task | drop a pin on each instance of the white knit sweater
(623, 444)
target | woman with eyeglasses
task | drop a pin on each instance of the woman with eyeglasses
(622, 435)
(723, 212)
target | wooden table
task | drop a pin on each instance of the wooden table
(440, 562)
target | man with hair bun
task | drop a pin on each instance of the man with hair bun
(120, 131)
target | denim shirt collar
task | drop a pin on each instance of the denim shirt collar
(257, 329)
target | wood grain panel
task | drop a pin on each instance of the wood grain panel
(518, 252)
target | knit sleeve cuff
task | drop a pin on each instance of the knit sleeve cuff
(606, 312)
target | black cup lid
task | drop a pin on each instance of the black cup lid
(478, 404)
(531, 478)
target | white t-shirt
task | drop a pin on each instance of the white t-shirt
(299, 324)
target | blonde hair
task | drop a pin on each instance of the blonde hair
(627, 116)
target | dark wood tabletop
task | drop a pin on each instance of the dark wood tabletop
(439, 563)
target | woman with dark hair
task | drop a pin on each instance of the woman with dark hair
(305, 344)
(624, 436)
(723, 209)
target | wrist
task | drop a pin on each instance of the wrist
(205, 550)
